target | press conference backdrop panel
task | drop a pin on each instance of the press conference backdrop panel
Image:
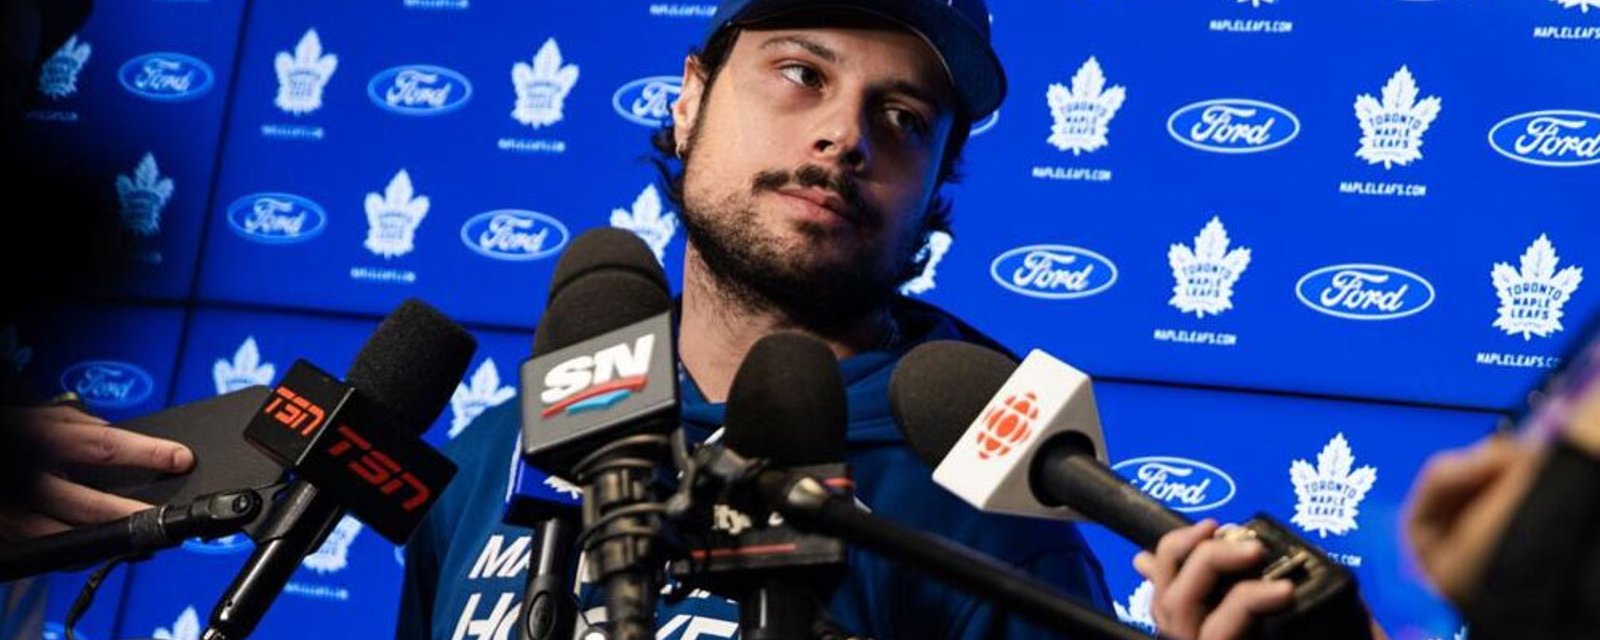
(1389, 202)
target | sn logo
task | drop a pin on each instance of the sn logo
(607, 376)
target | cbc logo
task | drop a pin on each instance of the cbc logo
(1007, 424)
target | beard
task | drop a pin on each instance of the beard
(761, 271)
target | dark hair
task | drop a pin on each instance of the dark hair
(712, 57)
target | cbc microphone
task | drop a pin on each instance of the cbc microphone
(598, 399)
(353, 445)
(1026, 440)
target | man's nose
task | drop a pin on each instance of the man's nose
(841, 139)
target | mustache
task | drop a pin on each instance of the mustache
(813, 176)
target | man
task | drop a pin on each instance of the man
(813, 143)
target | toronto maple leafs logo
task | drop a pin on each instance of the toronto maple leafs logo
(648, 221)
(59, 78)
(468, 402)
(1137, 613)
(562, 486)
(1328, 497)
(1205, 275)
(12, 352)
(933, 252)
(542, 88)
(1083, 113)
(143, 197)
(1581, 5)
(187, 627)
(392, 218)
(303, 75)
(1391, 130)
(1531, 298)
(334, 554)
(245, 370)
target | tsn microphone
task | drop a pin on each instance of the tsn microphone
(1025, 440)
(786, 406)
(352, 445)
(599, 397)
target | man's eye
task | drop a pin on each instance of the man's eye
(907, 121)
(801, 74)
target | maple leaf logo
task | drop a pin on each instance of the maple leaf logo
(933, 251)
(562, 486)
(1581, 5)
(1083, 113)
(1205, 275)
(1391, 130)
(648, 221)
(542, 88)
(470, 401)
(144, 196)
(303, 75)
(1137, 613)
(1531, 299)
(187, 627)
(1328, 496)
(392, 218)
(245, 370)
(59, 77)
(334, 554)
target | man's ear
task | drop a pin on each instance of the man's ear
(686, 111)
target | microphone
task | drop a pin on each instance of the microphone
(1026, 440)
(801, 408)
(353, 445)
(787, 406)
(598, 398)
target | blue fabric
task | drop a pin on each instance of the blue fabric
(465, 570)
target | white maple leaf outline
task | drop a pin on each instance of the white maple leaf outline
(307, 57)
(1538, 264)
(72, 50)
(1137, 613)
(1088, 85)
(1399, 96)
(398, 196)
(648, 221)
(547, 69)
(186, 628)
(933, 251)
(146, 178)
(246, 363)
(471, 399)
(1581, 5)
(334, 554)
(1333, 464)
(1211, 246)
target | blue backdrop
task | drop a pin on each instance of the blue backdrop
(1305, 243)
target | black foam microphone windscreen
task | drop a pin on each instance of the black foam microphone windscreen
(939, 388)
(412, 363)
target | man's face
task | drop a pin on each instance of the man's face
(811, 163)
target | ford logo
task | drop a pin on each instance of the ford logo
(983, 126)
(1232, 125)
(514, 234)
(1180, 483)
(166, 77)
(1365, 292)
(235, 543)
(1555, 138)
(648, 101)
(419, 90)
(276, 218)
(1053, 271)
(108, 384)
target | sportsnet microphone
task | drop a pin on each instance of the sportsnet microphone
(787, 406)
(598, 398)
(353, 445)
(793, 402)
(1025, 440)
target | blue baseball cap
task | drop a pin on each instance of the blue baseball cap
(958, 30)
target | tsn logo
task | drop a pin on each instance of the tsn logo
(292, 410)
(378, 469)
(589, 383)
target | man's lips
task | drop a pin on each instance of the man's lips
(822, 198)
